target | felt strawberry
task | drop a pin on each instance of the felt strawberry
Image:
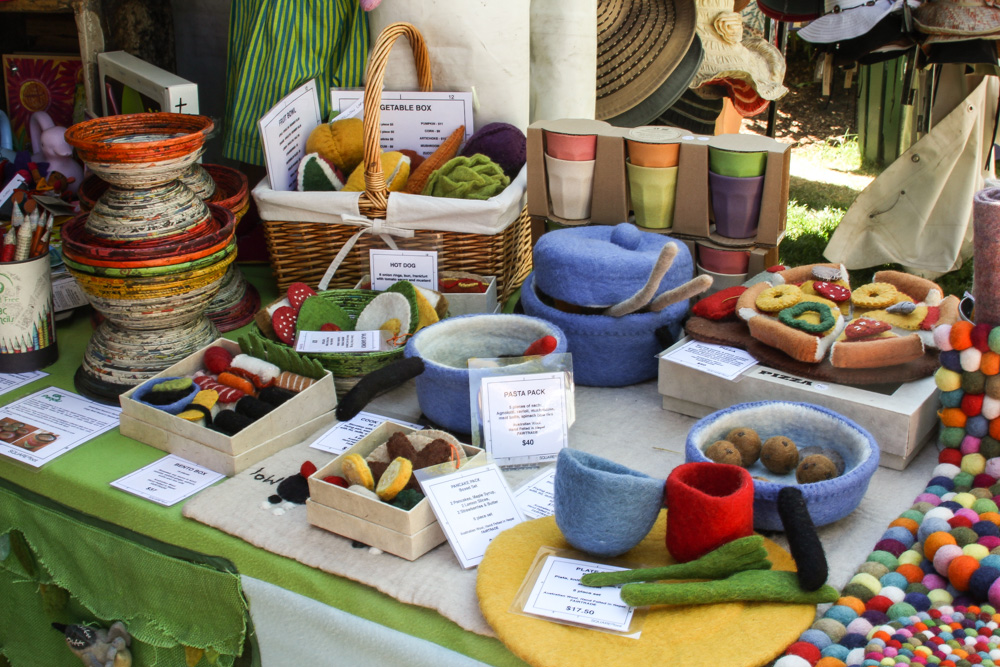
(542, 346)
(330, 326)
(832, 291)
(335, 479)
(297, 293)
(864, 327)
(283, 321)
(307, 468)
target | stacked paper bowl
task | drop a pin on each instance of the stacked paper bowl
(151, 254)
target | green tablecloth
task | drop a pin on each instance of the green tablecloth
(80, 479)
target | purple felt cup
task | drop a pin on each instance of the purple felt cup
(736, 204)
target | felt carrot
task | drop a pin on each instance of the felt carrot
(542, 346)
(446, 151)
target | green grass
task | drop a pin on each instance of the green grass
(815, 208)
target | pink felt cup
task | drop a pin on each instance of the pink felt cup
(572, 147)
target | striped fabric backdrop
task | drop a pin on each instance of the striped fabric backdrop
(277, 45)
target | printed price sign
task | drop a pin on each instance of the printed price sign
(284, 130)
(340, 341)
(525, 417)
(390, 266)
(559, 595)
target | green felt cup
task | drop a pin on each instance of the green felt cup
(736, 164)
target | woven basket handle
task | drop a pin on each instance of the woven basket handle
(375, 199)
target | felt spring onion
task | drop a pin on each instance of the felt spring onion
(745, 553)
(749, 586)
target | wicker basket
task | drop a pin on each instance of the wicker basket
(301, 251)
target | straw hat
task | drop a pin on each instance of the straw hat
(639, 44)
(964, 18)
(729, 55)
(847, 19)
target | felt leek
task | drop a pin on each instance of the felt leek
(749, 586)
(745, 553)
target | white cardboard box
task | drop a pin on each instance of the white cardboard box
(902, 417)
(170, 433)
(408, 534)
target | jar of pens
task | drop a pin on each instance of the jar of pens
(27, 322)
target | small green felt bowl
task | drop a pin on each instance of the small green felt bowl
(736, 164)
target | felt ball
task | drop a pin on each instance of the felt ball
(990, 365)
(963, 481)
(994, 593)
(912, 556)
(919, 601)
(976, 550)
(960, 336)
(893, 579)
(941, 482)
(900, 534)
(939, 596)
(894, 593)
(929, 499)
(951, 399)
(973, 382)
(960, 570)
(980, 337)
(877, 570)
(793, 660)
(217, 359)
(892, 546)
(972, 404)
(951, 359)
(868, 581)
(875, 617)
(935, 541)
(990, 542)
(947, 380)
(951, 436)
(969, 445)
(988, 446)
(885, 558)
(901, 610)
(832, 628)
(993, 340)
(723, 451)
(835, 651)
(748, 442)
(978, 426)
(817, 638)
(830, 661)
(966, 499)
(842, 613)
(983, 481)
(985, 528)
(943, 557)
(971, 359)
(861, 626)
(953, 418)
(942, 337)
(859, 591)
(933, 525)
(906, 523)
(779, 455)
(985, 506)
(992, 517)
(910, 573)
(992, 388)
(991, 407)
(879, 603)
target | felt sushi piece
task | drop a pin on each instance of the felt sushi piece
(217, 359)
(230, 422)
(293, 381)
(266, 371)
(226, 393)
(201, 406)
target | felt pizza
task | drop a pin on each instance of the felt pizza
(801, 325)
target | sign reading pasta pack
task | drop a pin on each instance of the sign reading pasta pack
(525, 418)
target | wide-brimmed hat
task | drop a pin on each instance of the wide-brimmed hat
(964, 18)
(889, 31)
(692, 112)
(744, 98)
(847, 19)
(666, 95)
(639, 45)
(791, 11)
(729, 55)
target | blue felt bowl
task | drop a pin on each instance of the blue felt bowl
(447, 346)
(174, 408)
(608, 351)
(807, 425)
(602, 507)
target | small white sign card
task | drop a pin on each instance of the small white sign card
(536, 497)
(472, 506)
(390, 266)
(284, 130)
(525, 417)
(8, 189)
(168, 480)
(39, 427)
(416, 120)
(341, 341)
(343, 435)
(11, 381)
(722, 360)
(558, 595)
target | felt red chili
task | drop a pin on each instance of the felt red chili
(542, 346)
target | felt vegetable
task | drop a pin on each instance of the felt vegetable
(446, 151)
(395, 169)
(747, 586)
(340, 142)
(298, 293)
(283, 320)
(476, 177)
(503, 143)
(542, 346)
(374, 383)
(745, 553)
(803, 541)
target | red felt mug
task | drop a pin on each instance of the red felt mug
(708, 505)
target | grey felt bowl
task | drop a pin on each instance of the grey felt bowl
(447, 346)
(807, 425)
(603, 508)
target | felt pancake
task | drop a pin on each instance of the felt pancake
(732, 634)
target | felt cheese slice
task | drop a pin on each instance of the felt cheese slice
(797, 344)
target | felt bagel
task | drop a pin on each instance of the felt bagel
(875, 295)
(777, 298)
(921, 290)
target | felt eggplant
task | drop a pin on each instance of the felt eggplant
(803, 541)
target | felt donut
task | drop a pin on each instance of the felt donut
(777, 298)
(874, 295)
(795, 343)
(919, 289)
(790, 317)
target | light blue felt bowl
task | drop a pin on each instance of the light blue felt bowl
(609, 351)
(806, 425)
(447, 346)
(602, 507)
(174, 408)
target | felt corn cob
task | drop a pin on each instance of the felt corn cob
(446, 151)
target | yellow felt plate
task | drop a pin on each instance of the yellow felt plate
(735, 635)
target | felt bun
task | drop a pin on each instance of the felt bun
(341, 143)
(395, 168)
(503, 143)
